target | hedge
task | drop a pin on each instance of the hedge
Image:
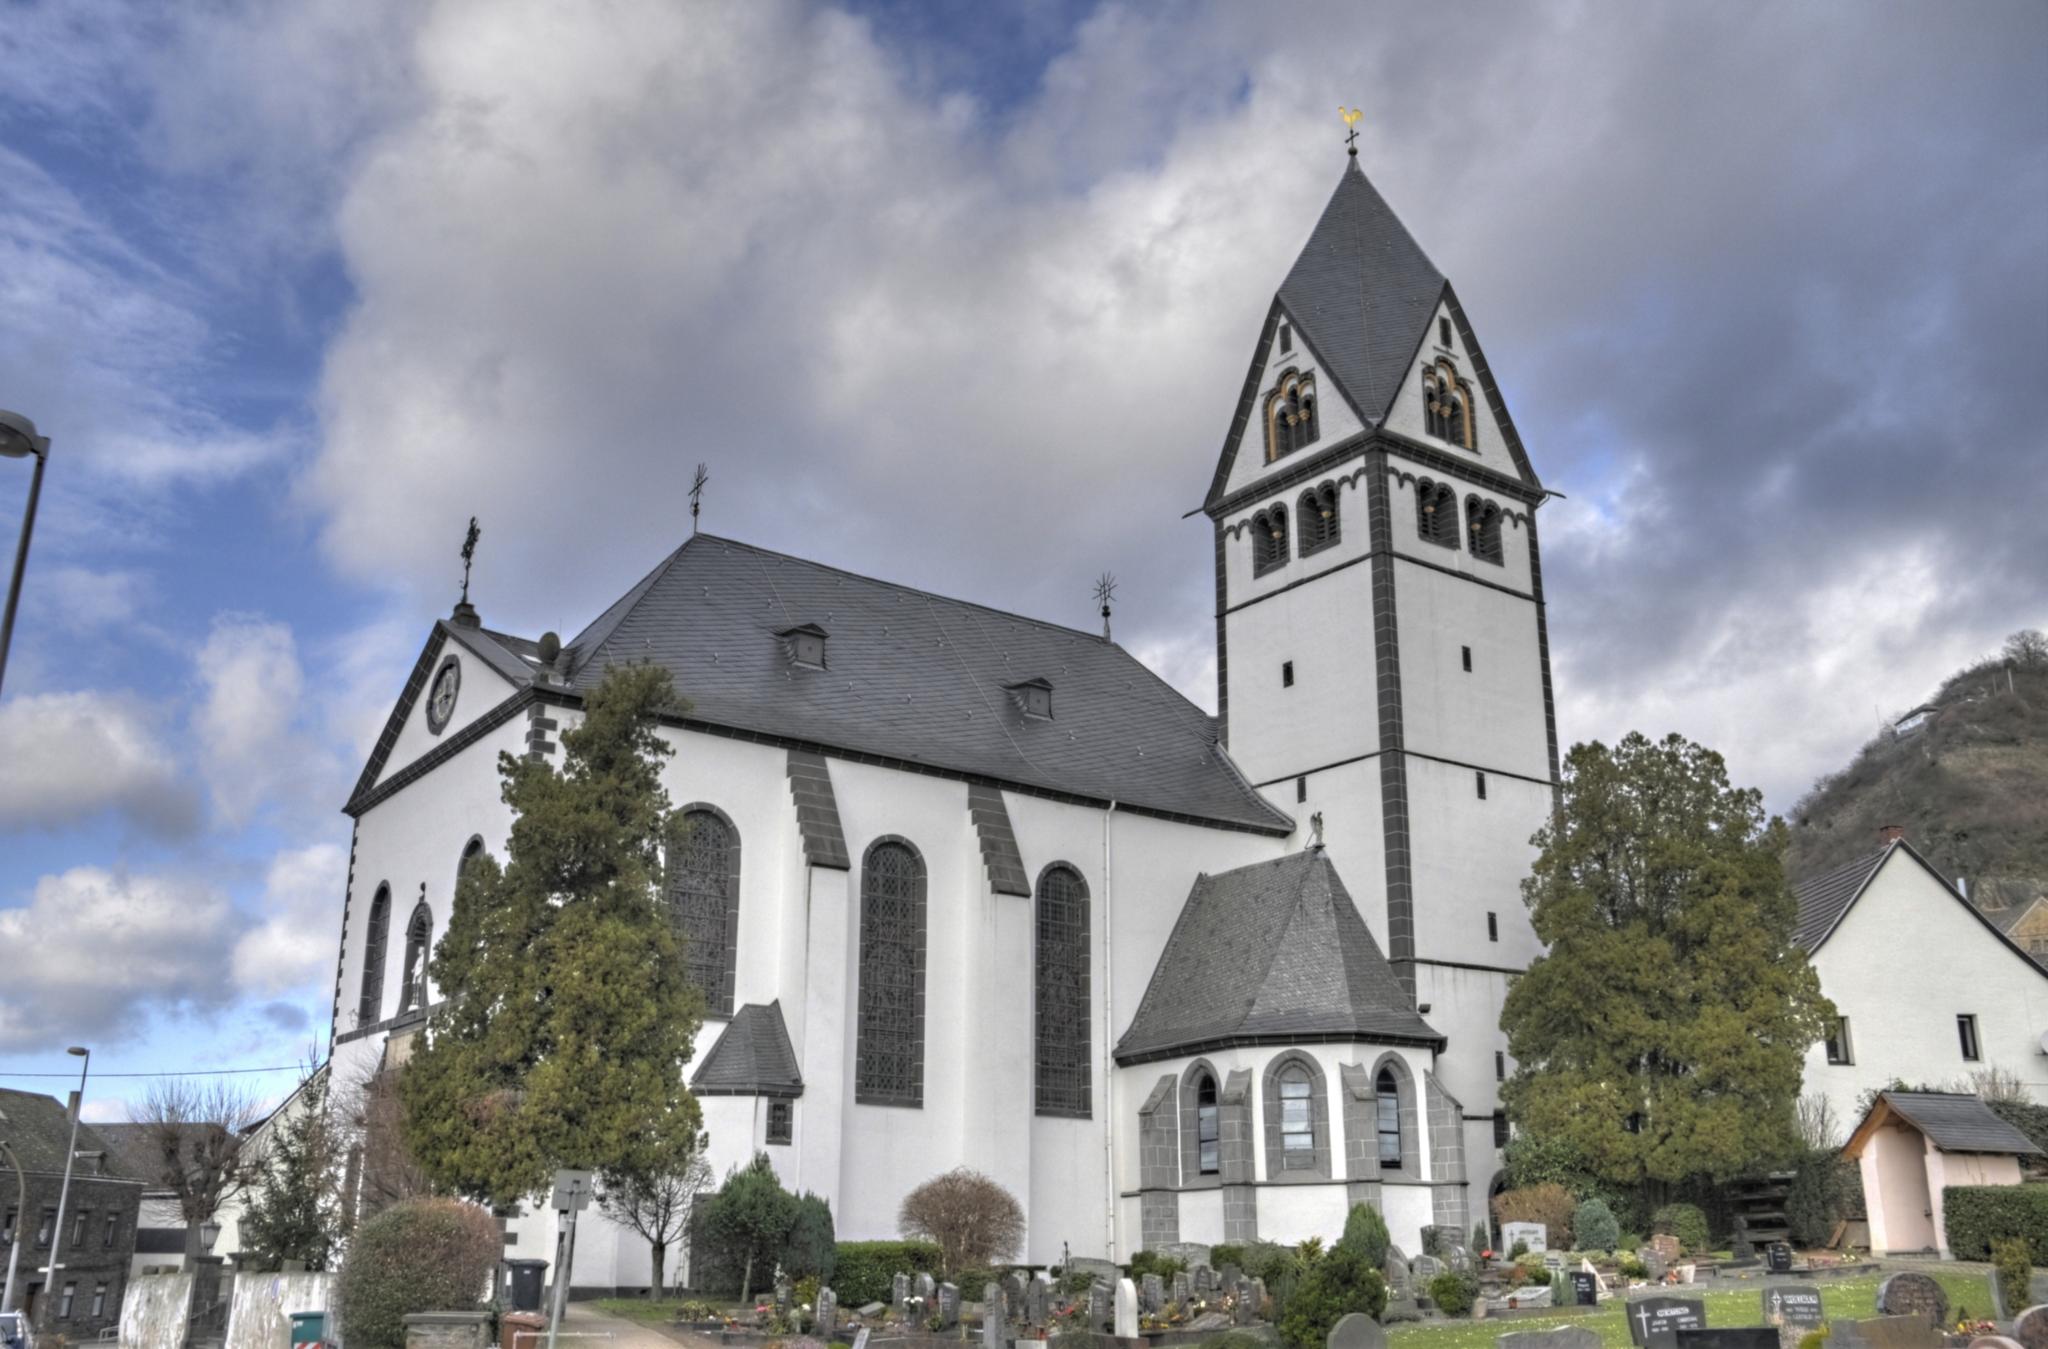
(1977, 1215)
(863, 1271)
(419, 1255)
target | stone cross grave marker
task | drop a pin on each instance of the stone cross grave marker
(1126, 1310)
(2030, 1327)
(825, 1313)
(949, 1306)
(899, 1291)
(1744, 1337)
(1908, 1293)
(1564, 1337)
(1793, 1305)
(1655, 1319)
(995, 1333)
(1357, 1331)
(1152, 1294)
(1535, 1236)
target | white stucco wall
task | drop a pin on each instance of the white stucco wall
(480, 690)
(1406, 415)
(1335, 421)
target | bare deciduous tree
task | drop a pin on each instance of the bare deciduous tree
(658, 1204)
(378, 1168)
(974, 1220)
(1819, 1129)
(1998, 1086)
(194, 1129)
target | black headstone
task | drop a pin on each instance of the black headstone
(1778, 1256)
(1794, 1305)
(1585, 1288)
(1660, 1316)
(1745, 1337)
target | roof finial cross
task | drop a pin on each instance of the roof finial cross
(469, 555)
(1105, 591)
(1350, 116)
(697, 494)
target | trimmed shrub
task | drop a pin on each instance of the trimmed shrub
(1822, 1184)
(1684, 1221)
(1594, 1227)
(1365, 1232)
(862, 1270)
(972, 1218)
(1631, 1268)
(2012, 1266)
(1156, 1262)
(1335, 1286)
(1482, 1239)
(808, 1250)
(1518, 1250)
(1225, 1253)
(1453, 1293)
(419, 1255)
(1270, 1261)
(1549, 1204)
(1977, 1215)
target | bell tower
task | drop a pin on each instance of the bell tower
(1382, 656)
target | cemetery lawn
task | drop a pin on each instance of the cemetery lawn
(1738, 1304)
(652, 1311)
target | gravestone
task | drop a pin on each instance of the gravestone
(1908, 1293)
(782, 1290)
(1013, 1295)
(1778, 1258)
(1038, 1301)
(1553, 1261)
(1356, 1330)
(949, 1306)
(1793, 1305)
(1994, 1342)
(1564, 1337)
(1204, 1278)
(1744, 1337)
(1251, 1295)
(1666, 1246)
(1459, 1259)
(2030, 1327)
(1101, 1306)
(1228, 1278)
(1399, 1283)
(1152, 1294)
(860, 1340)
(1189, 1253)
(1884, 1332)
(825, 1314)
(1521, 1299)
(1535, 1236)
(923, 1287)
(1654, 1263)
(899, 1291)
(995, 1332)
(1585, 1289)
(1656, 1319)
(1181, 1290)
(1423, 1268)
(1126, 1310)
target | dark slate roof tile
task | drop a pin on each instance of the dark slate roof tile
(752, 1058)
(37, 1128)
(1959, 1123)
(1271, 952)
(1823, 899)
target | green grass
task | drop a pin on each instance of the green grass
(648, 1311)
(1729, 1304)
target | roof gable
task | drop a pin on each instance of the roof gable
(1274, 952)
(752, 1058)
(1951, 1121)
(494, 665)
(1826, 900)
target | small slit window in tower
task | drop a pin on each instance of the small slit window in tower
(1479, 781)
(1492, 926)
(1500, 1066)
(1466, 652)
(1443, 330)
(1286, 338)
(781, 1121)
(1301, 789)
(1966, 1031)
(1500, 1128)
(805, 644)
(1286, 674)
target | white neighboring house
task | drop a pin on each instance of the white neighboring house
(1928, 989)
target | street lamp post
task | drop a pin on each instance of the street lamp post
(64, 1191)
(18, 440)
(20, 1214)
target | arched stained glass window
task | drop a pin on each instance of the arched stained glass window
(419, 934)
(1297, 1120)
(370, 1006)
(1061, 1033)
(1208, 1134)
(1388, 1091)
(889, 1051)
(704, 903)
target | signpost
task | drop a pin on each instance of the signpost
(572, 1195)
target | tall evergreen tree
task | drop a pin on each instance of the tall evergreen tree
(1660, 1038)
(294, 1210)
(567, 1018)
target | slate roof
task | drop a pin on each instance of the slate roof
(1953, 1122)
(132, 1152)
(1823, 899)
(1272, 952)
(914, 677)
(752, 1058)
(37, 1127)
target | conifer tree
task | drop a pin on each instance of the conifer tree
(294, 1211)
(567, 1017)
(1660, 1038)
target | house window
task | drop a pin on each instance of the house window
(1269, 540)
(1208, 1160)
(1290, 415)
(889, 1057)
(781, 1121)
(1286, 338)
(1318, 516)
(1484, 517)
(1465, 654)
(704, 904)
(1061, 1024)
(1500, 1066)
(1436, 513)
(1443, 330)
(99, 1301)
(64, 1302)
(1479, 781)
(1966, 1031)
(1839, 1048)
(370, 1006)
(113, 1232)
(1286, 674)
(46, 1227)
(1297, 1123)
(1388, 1107)
(1301, 789)
(1500, 1128)
(418, 935)
(79, 1221)
(1492, 926)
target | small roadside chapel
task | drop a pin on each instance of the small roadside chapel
(1913, 1144)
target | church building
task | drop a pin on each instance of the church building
(962, 887)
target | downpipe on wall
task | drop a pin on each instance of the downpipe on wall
(1108, 1028)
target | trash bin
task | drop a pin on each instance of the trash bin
(523, 1279)
(309, 1329)
(521, 1330)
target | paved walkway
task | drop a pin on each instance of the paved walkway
(595, 1330)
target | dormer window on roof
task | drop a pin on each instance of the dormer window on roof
(805, 644)
(1034, 697)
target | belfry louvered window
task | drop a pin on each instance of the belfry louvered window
(889, 1054)
(1269, 539)
(1061, 1023)
(704, 904)
(370, 1006)
(1483, 520)
(1318, 516)
(1436, 512)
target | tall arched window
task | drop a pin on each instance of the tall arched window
(1061, 1032)
(889, 1049)
(1483, 519)
(1269, 539)
(704, 903)
(1208, 1133)
(1318, 516)
(370, 1007)
(1436, 512)
(1291, 414)
(1388, 1091)
(1297, 1123)
(470, 852)
(419, 933)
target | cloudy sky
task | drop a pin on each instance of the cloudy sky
(956, 294)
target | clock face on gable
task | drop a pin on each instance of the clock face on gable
(441, 695)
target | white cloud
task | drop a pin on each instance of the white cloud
(253, 745)
(293, 944)
(71, 756)
(100, 955)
